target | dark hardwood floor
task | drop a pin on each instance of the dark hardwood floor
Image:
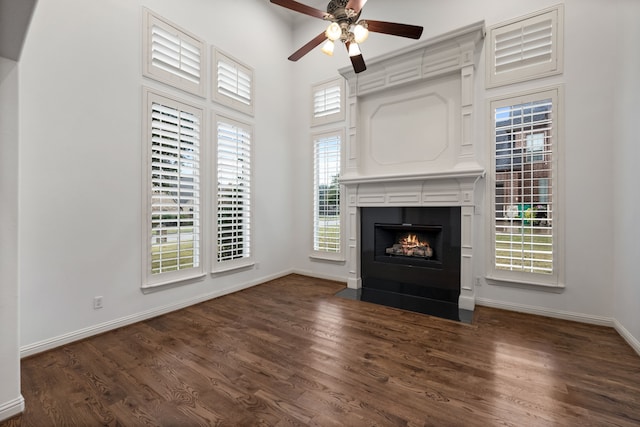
(289, 353)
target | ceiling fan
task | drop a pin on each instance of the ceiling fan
(346, 27)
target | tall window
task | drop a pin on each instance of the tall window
(525, 219)
(173, 188)
(326, 190)
(233, 192)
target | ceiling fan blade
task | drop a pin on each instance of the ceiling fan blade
(357, 61)
(402, 30)
(356, 5)
(308, 47)
(299, 7)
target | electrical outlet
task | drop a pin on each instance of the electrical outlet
(478, 281)
(97, 302)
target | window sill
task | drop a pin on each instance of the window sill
(224, 268)
(527, 284)
(172, 282)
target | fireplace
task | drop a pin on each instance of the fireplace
(410, 148)
(410, 258)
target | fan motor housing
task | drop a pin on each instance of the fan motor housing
(337, 8)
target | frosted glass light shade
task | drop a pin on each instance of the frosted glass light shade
(327, 48)
(333, 32)
(360, 32)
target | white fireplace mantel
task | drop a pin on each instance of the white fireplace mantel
(410, 138)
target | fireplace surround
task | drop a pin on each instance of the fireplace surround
(396, 267)
(411, 144)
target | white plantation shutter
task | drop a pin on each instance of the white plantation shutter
(172, 55)
(525, 178)
(529, 47)
(328, 102)
(234, 190)
(174, 185)
(234, 83)
(326, 200)
(524, 46)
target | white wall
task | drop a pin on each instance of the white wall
(80, 155)
(10, 399)
(627, 196)
(589, 81)
(81, 167)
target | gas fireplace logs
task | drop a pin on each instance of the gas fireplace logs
(411, 246)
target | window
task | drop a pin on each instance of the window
(328, 102)
(233, 210)
(525, 48)
(326, 190)
(233, 84)
(172, 161)
(526, 220)
(171, 55)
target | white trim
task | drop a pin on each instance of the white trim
(624, 333)
(326, 255)
(316, 275)
(547, 312)
(48, 344)
(149, 280)
(507, 278)
(244, 262)
(11, 408)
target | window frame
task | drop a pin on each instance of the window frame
(243, 262)
(497, 276)
(172, 79)
(222, 98)
(328, 118)
(338, 256)
(149, 279)
(535, 70)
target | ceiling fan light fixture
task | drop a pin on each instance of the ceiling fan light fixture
(354, 49)
(333, 32)
(360, 32)
(327, 48)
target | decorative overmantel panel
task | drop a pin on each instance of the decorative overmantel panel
(410, 140)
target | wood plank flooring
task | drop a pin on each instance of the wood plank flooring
(289, 353)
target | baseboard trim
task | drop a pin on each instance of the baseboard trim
(626, 335)
(319, 276)
(541, 311)
(11, 408)
(48, 344)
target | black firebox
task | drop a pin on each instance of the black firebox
(410, 258)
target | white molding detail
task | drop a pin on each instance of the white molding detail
(435, 81)
(11, 408)
(48, 344)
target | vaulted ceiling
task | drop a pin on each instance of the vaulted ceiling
(15, 16)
